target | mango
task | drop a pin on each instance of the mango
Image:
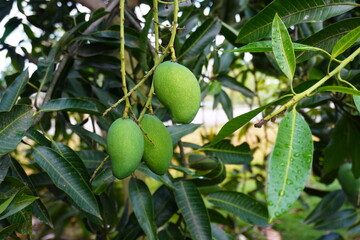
(178, 89)
(125, 142)
(157, 152)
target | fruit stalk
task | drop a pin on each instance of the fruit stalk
(173, 30)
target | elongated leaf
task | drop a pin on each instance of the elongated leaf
(92, 159)
(37, 137)
(199, 39)
(38, 207)
(341, 219)
(213, 177)
(13, 91)
(102, 180)
(339, 89)
(241, 205)
(72, 105)
(4, 166)
(178, 131)
(239, 121)
(141, 201)
(289, 164)
(8, 230)
(164, 205)
(87, 136)
(283, 48)
(266, 46)
(231, 83)
(218, 233)
(328, 37)
(226, 103)
(357, 102)
(23, 219)
(171, 232)
(66, 178)
(345, 42)
(296, 11)
(228, 153)
(4, 204)
(13, 126)
(17, 204)
(327, 206)
(193, 209)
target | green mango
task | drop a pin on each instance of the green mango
(125, 143)
(158, 152)
(178, 89)
(349, 184)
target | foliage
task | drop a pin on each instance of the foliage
(63, 90)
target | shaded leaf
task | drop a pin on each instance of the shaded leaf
(243, 206)
(231, 83)
(342, 219)
(13, 91)
(102, 180)
(212, 177)
(20, 202)
(66, 178)
(4, 166)
(8, 230)
(357, 102)
(178, 131)
(5, 203)
(283, 48)
(72, 105)
(141, 201)
(91, 158)
(23, 220)
(296, 11)
(228, 153)
(164, 205)
(13, 126)
(346, 42)
(193, 209)
(218, 233)
(37, 137)
(339, 89)
(289, 164)
(171, 232)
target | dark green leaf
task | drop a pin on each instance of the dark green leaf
(164, 205)
(296, 11)
(4, 166)
(342, 219)
(226, 104)
(102, 180)
(199, 39)
(339, 89)
(218, 233)
(178, 131)
(171, 232)
(357, 102)
(212, 177)
(346, 42)
(72, 105)
(193, 209)
(327, 206)
(241, 205)
(283, 48)
(6, 231)
(228, 153)
(9, 27)
(91, 159)
(37, 137)
(13, 91)
(20, 202)
(13, 126)
(66, 178)
(87, 136)
(5, 8)
(214, 88)
(141, 201)
(23, 219)
(4, 203)
(289, 164)
(165, 179)
(231, 83)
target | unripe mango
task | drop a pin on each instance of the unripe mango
(178, 89)
(158, 152)
(125, 142)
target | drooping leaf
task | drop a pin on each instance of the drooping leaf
(141, 201)
(165, 179)
(340, 89)
(296, 11)
(226, 104)
(72, 105)
(212, 177)
(178, 131)
(193, 209)
(346, 42)
(66, 178)
(13, 126)
(327, 206)
(13, 92)
(341, 219)
(9, 27)
(239, 121)
(231, 83)
(328, 37)
(283, 48)
(243, 206)
(228, 153)
(289, 164)
(199, 39)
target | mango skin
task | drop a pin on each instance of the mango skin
(178, 89)
(125, 142)
(158, 154)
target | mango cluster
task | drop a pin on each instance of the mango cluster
(177, 88)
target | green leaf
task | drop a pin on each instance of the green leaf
(37, 137)
(92, 159)
(214, 88)
(226, 103)
(72, 105)
(212, 177)
(243, 206)
(178, 131)
(23, 219)
(165, 179)
(193, 209)
(4, 166)
(13, 126)
(239, 121)
(327, 206)
(357, 102)
(328, 37)
(198, 40)
(283, 48)
(4, 204)
(266, 46)
(66, 178)
(231, 83)
(164, 205)
(346, 42)
(228, 153)
(339, 89)
(141, 201)
(102, 180)
(289, 164)
(8, 230)
(171, 232)
(20, 202)
(342, 219)
(296, 11)
(13, 91)
(218, 233)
